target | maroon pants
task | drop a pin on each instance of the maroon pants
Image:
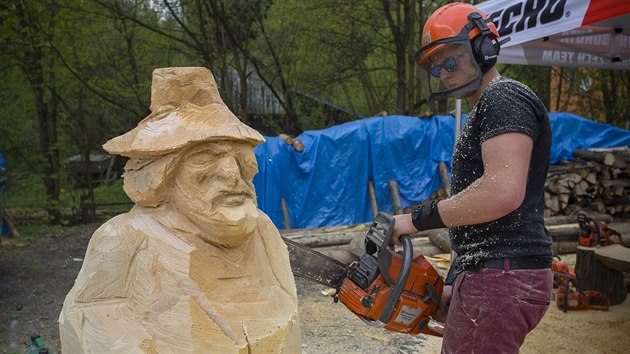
(492, 310)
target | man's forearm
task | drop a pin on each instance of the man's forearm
(481, 202)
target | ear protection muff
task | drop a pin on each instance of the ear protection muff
(485, 48)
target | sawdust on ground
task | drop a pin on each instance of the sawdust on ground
(605, 332)
(36, 276)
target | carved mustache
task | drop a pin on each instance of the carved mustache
(224, 194)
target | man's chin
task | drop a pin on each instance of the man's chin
(232, 225)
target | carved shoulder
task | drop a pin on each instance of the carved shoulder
(108, 260)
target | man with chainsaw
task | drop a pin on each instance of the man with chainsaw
(500, 283)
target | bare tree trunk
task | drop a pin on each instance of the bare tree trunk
(411, 63)
(400, 28)
(35, 70)
(559, 90)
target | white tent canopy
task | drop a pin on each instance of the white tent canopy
(570, 33)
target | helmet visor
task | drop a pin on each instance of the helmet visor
(451, 68)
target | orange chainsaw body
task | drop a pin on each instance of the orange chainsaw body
(581, 301)
(596, 233)
(418, 300)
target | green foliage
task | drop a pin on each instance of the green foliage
(27, 197)
(77, 73)
(111, 192)
(33, 231)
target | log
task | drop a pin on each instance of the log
(571, 219)
(393, 190)
(294, 142)
(298, 145)
(327, 240)
(564, 247)
(570, 232)
(605, 158)
(353, 251)
(296, 233)
(288, 139)
(592, 274)
(424, 246)
(440, 239)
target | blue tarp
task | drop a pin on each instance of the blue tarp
(571, 132)
(326, 183)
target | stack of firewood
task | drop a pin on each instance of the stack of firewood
(596, 181)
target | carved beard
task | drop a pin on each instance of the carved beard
(229, 226)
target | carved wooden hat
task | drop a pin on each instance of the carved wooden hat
(185, 109)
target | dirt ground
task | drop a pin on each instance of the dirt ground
(35, 277)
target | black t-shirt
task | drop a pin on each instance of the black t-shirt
(504, 106)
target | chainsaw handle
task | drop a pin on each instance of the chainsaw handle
(398, 288)
(380, 232)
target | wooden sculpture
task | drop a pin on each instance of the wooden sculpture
(194, 267)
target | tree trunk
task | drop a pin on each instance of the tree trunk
(592, 274)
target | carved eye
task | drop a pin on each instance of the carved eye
(202, 177)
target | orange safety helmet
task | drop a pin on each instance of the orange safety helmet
(457, 21)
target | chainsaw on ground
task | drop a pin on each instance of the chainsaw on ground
(571, 299)
(596, 233)
(395, 290)
(567, 297)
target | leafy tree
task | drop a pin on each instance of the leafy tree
(28, 27)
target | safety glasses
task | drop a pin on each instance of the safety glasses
(450, 64)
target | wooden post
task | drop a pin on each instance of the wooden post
(372, 194)
(592, 274)
(285, 213)
(393, 190)
(110, 167)
(444, 177)
(13, 232)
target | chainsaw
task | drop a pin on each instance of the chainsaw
(596, 233)
(570, 299)
(398, 291)
(567, 297)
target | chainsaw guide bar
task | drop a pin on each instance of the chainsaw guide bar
(315, 266)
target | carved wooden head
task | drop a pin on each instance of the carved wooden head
(194, 153)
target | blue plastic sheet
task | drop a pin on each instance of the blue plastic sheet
(571, 132)
(326, 184)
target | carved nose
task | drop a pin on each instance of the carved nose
(229, 170)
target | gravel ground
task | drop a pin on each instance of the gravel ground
(35, 277)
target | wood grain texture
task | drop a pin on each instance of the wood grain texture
(194, 267)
